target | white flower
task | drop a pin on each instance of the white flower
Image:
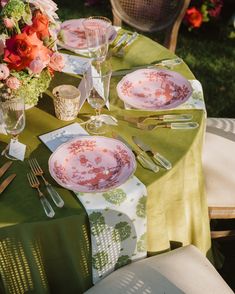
(47, 7)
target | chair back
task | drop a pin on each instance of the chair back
(150, 15)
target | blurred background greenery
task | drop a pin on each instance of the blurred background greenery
(208, 51)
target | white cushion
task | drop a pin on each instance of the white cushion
(219, 162)
(184, 270)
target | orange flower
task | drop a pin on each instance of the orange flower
(40, 26)
(21, 49)
(193, 17)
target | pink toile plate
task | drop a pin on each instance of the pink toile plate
(153, 89)
(92, 164)
(74, 35)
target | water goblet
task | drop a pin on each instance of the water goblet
(13, 116)
(97, 31)
(97, 82)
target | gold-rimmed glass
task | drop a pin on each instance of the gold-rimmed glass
(97, 30)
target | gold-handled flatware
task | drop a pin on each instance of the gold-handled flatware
(174, 126)
(157, 157)
(5, 167)
(158, 117)
(6, 182)
(141, 156)
(167, 63)
(37, 171)
(34, 183)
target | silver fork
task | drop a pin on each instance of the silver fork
(34, 183)
(37, 171)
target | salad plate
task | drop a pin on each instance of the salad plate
(74, 38)
(153, 89)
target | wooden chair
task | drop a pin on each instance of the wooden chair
(183, 270)
(151, 16)
(219, 169)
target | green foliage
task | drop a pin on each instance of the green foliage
(32, 86)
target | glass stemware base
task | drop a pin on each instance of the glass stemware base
(96, 126)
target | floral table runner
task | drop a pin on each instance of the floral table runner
(117, 217)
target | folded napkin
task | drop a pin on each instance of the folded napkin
(117, 217)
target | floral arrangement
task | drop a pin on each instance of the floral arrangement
(28, 53)
(202, 11)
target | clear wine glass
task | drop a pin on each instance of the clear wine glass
(97, 82)
(97, 30)
(13, 115)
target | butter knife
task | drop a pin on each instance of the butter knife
(5, 167)
(6, 182)
(141, 156)
(155, 64)
(157, 157)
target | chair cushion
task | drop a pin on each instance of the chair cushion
(184, 270)
(219, 162)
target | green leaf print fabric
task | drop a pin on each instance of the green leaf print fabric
(118, 226)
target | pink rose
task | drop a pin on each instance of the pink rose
(4, 71)
(2, 46)
(57, 62)
(13, 83)
(4, 2)
(36, 66)
(9, 23)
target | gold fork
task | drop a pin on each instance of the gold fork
(34, 183)
(37, 171)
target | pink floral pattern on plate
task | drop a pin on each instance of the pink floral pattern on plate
(153, 89)
(92, 164)
(74, 35)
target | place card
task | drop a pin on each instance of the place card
(17, 149)
(91, 71)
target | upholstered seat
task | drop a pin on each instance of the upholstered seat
(184, 270)
(219, 170)
(152, 16)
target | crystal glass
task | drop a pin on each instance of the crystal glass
(97, 30)
(13, 116)
(97, 82)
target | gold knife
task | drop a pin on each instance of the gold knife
(6, 182)
(5, 167)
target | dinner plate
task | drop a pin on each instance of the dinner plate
(74, 38)
(153, 89)
(92, 164)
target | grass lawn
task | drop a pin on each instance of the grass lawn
(208, 52)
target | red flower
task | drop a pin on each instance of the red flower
(193, 17)
(216, 10)
(21, 49)
(39, 26)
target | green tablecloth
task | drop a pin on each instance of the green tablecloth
(40, 255)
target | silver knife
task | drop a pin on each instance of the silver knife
(5, 167)
(158, 158)
(6, 182)
(123, 72)
(141, 156)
